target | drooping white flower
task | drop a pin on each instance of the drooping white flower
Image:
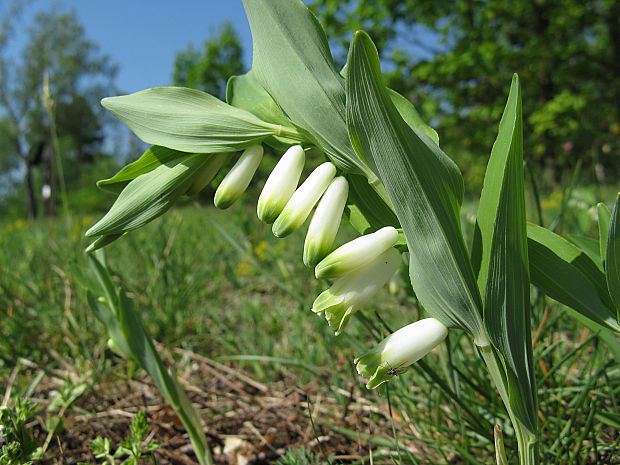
(281, 184)
(303, 200)
(238, 178)
(325, 222)
(208, 172)
(399, 350)
(349, 293)
(356, 253)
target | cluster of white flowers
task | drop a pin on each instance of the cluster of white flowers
(359, 268)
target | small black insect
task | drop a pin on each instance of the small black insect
(396, 371)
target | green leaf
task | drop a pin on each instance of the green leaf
(589, 246)
(604, 217)
(425, 187)
(142, 349)
(411, 115)
(407, 111)
(500, 243)
(189, 120)
(293, 63)
(151, 159)
(567, 274)
(149, 196)
(102, 241)
(612, 262)
(105, 306)
(246, 92)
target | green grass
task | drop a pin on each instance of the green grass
(219, 284)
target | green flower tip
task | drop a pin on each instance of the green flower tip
(356, 253)
(351, 292)
(301, 203)
(325, 222)
(238, 178)
(281, 184)
(402, 348)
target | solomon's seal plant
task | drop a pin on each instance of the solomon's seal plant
(384, 170)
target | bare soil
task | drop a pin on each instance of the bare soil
(246, 422)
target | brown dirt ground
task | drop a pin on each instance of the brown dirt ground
(247, 422)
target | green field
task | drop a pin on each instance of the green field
(230, 305)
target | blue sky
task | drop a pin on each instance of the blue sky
(142, 36)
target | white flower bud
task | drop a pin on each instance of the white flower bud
(325, 222)
(349, 293)
(356, 253)
(303, 200)
(281, 184)
(238, 178)
(399, 350)
(208, 172)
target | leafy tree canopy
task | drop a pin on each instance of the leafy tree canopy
(57, 56)
(454, 60)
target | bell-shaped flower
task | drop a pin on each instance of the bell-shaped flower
(303, 200)
(281, 184)
(325, 222)
(238, 178)
(356, 253)
(349, 293)
(207, 172)
(399, 350)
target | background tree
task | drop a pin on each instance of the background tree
(454, 60)
(209, 69)
(78, 75)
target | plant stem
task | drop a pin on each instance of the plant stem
(527, 441)
(291, 133)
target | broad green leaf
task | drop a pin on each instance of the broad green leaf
(411, 115)
(567, 274)
(500, 241)
(189, 120)
(293, 63)
(149, 196)
(151, 159)
(425, 187)
(604, 217)
(246, 92)
(612, 262)
(589, 246)
(407, 111)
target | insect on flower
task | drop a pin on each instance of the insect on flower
(399, 370)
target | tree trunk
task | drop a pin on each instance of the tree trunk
(49, 200)
(32, 200)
